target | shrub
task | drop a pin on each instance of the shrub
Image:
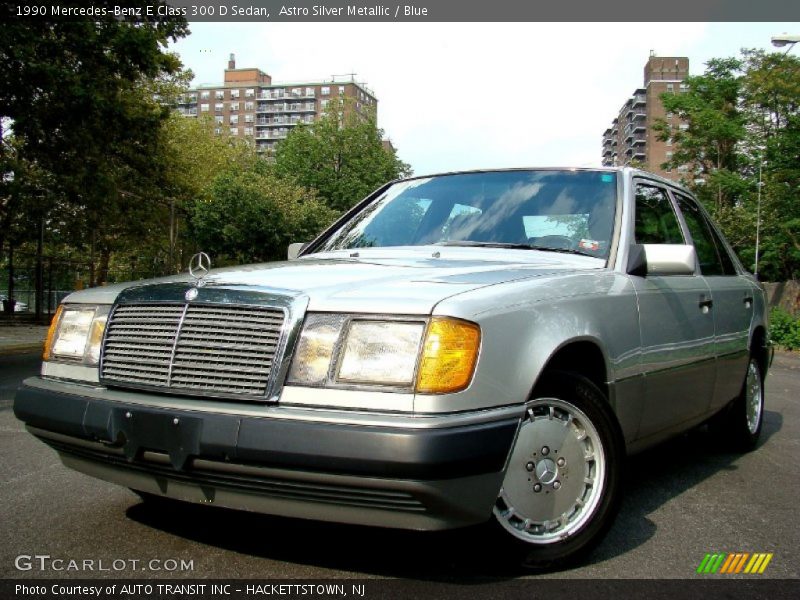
(784, 329)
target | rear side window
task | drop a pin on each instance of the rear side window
(656, 222)
(712, 254)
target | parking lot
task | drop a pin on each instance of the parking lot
(683, 499)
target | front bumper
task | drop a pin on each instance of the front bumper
(416, 478)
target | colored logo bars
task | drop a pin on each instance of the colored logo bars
(735, 562)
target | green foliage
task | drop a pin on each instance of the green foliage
(341, 156)
(94, 153)
(82, 102)
(784, 329)
(253, 215)
(742, 126)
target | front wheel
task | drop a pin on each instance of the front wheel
(562, 485)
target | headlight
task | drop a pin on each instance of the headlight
(431, 356)
(312, 359)
(380, 352)
(76, 333)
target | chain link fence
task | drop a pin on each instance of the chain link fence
(59, 277)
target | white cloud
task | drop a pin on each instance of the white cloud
(466, 95)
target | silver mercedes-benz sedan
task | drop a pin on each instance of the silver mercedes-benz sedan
(470, 348)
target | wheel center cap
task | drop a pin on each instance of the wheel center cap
(546, 470)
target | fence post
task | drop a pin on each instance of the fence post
(38, 294)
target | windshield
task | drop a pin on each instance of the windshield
(570, 211)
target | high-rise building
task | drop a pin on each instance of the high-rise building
(631, 139)
(249, 104)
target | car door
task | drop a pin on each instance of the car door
(733, 302)
(675, 321)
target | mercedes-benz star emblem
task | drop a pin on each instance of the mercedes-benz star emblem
(191, 294)
(199, 265)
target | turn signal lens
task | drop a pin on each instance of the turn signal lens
(449, 355)
(48, 342)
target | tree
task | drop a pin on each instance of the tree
(737, 132)
(715, 126)
(341, 156)
(253, 215)
(77, 95)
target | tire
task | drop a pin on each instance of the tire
(739, 424)
(563, 482)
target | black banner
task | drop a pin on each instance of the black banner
(423, 10)
(530, 589)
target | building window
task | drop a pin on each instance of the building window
(218, 107)
(234, 106)
(248, 118)
(219, 120)
(324, 104)
(684, 87)
(341, 90)
(234, 131)
(669, 141)
(234, 119)
(297, 92)
(204, 107)
(234, 94)
(684, 126)
(204, 95)
(325, 90)
(309, 91)
(220, 95)
(218, 130)
(668, 155)
(249, 105)
(670, 88)
(248, 131)
(249, 93)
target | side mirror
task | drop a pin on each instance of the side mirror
(661, 259)
(295, 250)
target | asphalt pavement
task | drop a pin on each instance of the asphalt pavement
(683, 499)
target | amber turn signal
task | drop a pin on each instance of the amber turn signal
(449, 354)
(48, 342)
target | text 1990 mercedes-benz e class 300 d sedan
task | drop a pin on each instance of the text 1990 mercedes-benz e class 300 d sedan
(477, 347)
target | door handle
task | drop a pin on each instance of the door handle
(748, 300)
(705, 304)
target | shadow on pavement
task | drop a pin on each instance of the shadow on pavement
(654, 477)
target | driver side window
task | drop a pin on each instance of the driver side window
(656, 222)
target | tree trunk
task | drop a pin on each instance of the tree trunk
(10, 305)
(39, 293)
(105, 259)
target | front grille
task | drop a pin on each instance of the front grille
(195, 348)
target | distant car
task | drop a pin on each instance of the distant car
(18, 306)
(457, 349)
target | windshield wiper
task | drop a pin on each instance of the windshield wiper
(471, 244)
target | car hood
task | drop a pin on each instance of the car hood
(381, 280)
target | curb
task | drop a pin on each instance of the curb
(24, 348)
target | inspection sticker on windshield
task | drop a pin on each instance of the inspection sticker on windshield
(589, 245)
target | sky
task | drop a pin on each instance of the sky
(455, 96)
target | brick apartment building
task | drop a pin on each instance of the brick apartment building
(249, 104)
(631, 139)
